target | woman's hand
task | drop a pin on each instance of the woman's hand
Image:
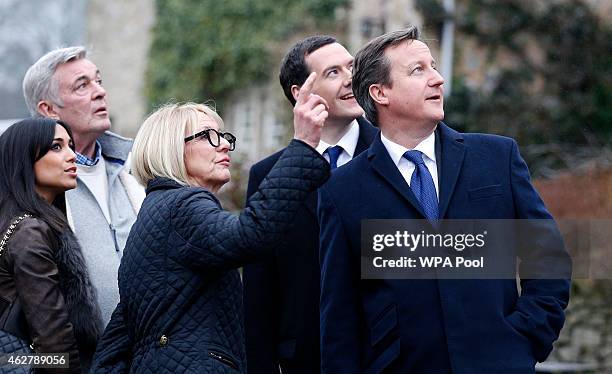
(309, 114)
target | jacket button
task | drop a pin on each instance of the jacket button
(163, 340)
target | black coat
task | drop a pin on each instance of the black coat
(281, 294)
(181, 297)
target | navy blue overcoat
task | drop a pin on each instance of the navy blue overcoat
(436, 326)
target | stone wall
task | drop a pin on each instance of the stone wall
(585, 194)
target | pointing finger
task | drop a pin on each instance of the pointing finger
(306, 88)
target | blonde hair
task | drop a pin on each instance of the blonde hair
(159, 146)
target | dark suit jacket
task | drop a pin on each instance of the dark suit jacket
(281, 295)
(435, 326)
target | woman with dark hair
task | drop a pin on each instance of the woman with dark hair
(46, 297)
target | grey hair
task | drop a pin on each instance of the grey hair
(372, 66)
(39, 84)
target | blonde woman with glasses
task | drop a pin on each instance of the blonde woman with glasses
(180, 307)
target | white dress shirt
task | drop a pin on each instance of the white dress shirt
(348, 142)
(405, 167)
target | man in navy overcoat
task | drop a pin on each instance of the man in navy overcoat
(281, 294)
(435, 325)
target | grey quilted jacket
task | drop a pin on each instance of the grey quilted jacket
(180, 307)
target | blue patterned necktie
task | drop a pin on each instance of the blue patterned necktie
(422, 185)
(334, 152)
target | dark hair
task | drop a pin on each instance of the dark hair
(372, 66)
(21, 145)
(294, 69)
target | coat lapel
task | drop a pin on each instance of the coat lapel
(367, 133)
(383, 165)
(450, 150)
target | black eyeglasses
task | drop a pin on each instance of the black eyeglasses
(214, 137)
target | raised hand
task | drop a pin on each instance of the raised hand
(309, 114)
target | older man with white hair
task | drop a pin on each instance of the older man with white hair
(65, 85)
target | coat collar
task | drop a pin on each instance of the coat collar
(367, 133)
(115, 147)
(449, 158)
(450, 150)
(162, 184)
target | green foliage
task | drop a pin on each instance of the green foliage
(561, 95)
(206, 49)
